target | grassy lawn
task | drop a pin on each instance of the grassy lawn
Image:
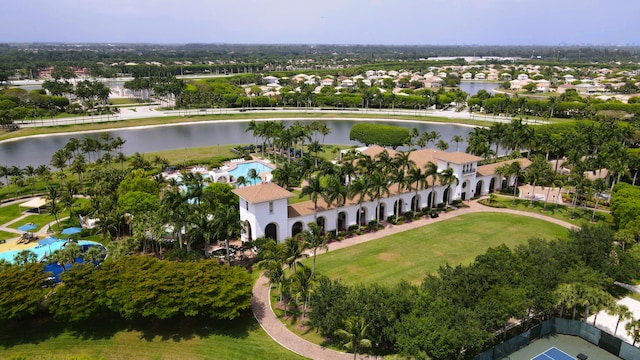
(412, 254)
(8, 213)
(7, 235)
(560, 212)
(38, 219)
(127, 101)
(147, 339)
(205, 154)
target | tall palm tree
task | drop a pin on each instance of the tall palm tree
(314, 190)
(538, 171)
(623, 313)
(431, 171)
(227, 224)
(359, 187)
(30, 172)
(314, 239)
(633, 328)
(304, 283)
(378, 186)
(354, 333)
(457, 139)
(447, 177)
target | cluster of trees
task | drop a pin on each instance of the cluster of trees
(163, 87)
(17, 103)
(126, 286)
(567, 105)
(462, 310)
(380, 134)
(228, 93)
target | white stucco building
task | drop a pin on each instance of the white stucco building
(265, 208)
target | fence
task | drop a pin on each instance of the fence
(583, 330)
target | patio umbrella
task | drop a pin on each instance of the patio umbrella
(71, 230)
(47, 241)
(27, 227)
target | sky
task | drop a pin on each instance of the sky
(388, 22)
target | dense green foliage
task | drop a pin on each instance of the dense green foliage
(625, 207)
(457, 312)
(380, 134)
(130, 286)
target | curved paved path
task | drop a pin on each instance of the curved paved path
(261, 305)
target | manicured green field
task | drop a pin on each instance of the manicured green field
(7, 235)
(8, 213)
(187, 339)
(39, 220)
(412, 254)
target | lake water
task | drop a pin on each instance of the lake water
(38, 151)
(472, 87)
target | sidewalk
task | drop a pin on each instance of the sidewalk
(261, 305)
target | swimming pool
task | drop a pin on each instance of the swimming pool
(44, 250)
(242, 169)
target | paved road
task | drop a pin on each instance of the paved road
(263, 311)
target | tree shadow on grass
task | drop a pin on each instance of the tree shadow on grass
(37, 330)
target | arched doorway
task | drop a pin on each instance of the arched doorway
(361, 215)
(271, 231)
(247, 231)
(342, 221)
(479, 186)
(397, 207)
(430, 199)
(415, 203)
(492, 185)
(297, 228)
(445, 195)
(321, 221)
(381, 212)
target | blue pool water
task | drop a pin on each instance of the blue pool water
(43, 250)
(243, 170)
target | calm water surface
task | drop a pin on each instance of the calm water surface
(38, 151)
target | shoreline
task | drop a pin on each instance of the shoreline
(186, 123)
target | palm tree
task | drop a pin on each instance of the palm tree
(566, 296)
(54, 206)
(457, 139)
(497, 134)
(313, 189)
(633, 328)
(513, 169)
(253, 175)
(242, 181)
(44, 174)
(292, 251)
(314, 239)
(359, 187)
(303, 281)
(598, 187)
(226, 224)
(431, 170)
(539, 170)
(30, 172)
(623, 313)
(447, 177)
(354, 333)
(378, 186)
(336, 191)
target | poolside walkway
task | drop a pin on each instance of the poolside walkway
(261, 305)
